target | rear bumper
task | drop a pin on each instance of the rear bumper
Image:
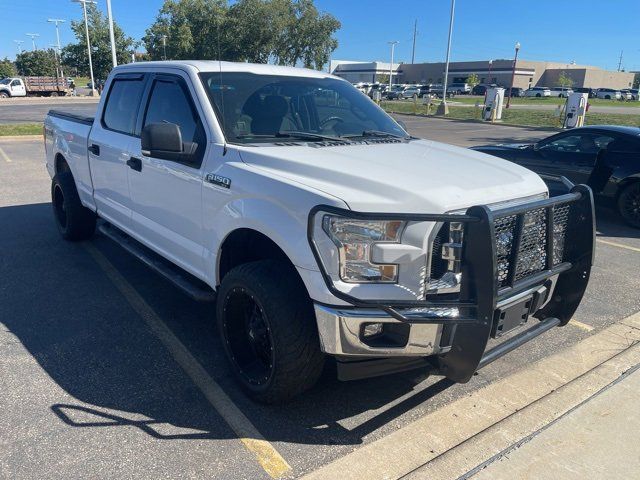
(456, 332)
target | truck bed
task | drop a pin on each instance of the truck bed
(73, 117)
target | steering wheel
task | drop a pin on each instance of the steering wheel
(330, 119)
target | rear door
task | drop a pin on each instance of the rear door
(109, 147)
(167, 194)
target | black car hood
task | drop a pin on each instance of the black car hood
(504, 146)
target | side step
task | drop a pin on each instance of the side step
(186, 282)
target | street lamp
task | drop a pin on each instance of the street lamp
(57, 21)
(513, 73)
(33, 39)
(443, 109)
(114, 59)
(393, 46)
(164, 47)
(86, 30)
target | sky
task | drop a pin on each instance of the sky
(588, 32)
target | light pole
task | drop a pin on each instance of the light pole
(114, 59)
(164, 47)
(513, 73)
(443, 109)
(19, 45)
(393, 46)
(33, 39)
(86, 30)
(58, 21)
(490, 65)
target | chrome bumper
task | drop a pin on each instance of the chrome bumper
(340, 329)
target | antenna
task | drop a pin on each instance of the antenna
(224, 133)
(620, 60)
(415, 32)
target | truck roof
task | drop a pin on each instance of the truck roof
(216, 66)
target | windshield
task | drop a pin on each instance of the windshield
(5, 81)
(266, 108)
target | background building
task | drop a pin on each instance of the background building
(528, 74)
(356, 72)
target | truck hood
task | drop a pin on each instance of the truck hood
(419, 176)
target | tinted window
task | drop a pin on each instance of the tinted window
(15, 83)
(122, 105)
(585, 143)
(169, 102)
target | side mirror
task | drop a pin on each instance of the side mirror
(403, 125)
(536, 147)
(164, 140)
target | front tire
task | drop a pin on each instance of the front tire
(629, 204)
(4, 95)
(74, 221)
(267, 325)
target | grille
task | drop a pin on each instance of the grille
(531, 244)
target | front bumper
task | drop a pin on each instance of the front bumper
(458, 339)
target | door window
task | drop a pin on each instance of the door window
(170, 102)
(122, 104)
(15, 83)
(585, 143)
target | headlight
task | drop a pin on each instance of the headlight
(354, 239)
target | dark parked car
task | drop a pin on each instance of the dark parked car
(607, 158)
(590, 91)
(481, 89)
(515, 92)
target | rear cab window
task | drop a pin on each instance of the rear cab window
(122, 103)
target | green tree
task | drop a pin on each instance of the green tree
(36, 63)
(287, 32)
(75, 54)
(473, 80)
(7, 68)
(565, 80)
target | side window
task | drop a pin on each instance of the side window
(585, 143)
(15, 83)
(169, 102)
(122, 105)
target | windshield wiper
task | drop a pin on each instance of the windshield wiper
(298, 135)
(377, 133)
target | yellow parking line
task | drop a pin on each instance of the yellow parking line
(581, 325)
(268, 457)
(4, 156)
(619, 245)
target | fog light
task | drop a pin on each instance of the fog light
(371, 329)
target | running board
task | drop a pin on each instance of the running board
(186, 282)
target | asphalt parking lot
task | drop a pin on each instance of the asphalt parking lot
(107, 371)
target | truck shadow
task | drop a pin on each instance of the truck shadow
(80, 330)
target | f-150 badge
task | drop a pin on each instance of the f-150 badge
(218, 180)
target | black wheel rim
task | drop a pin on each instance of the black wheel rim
(58, 207)
(248, 337)
(631, 205)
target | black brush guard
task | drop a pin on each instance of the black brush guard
(479, 292)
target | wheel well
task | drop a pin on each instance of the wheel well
(624, 184)
(246, 245)
(61, 164)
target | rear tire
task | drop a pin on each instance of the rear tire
(629, 204)
(538, 95)
(74, 221)
(267, 325)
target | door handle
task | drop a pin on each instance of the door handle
(95, 149)
(135, 164)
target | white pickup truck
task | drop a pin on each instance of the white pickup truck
(317, 224)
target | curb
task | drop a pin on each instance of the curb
(455, 439)
(20, 137)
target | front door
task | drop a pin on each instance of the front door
(167, 195)
(17, 88)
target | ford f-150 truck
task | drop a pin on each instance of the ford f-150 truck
(317, 224)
